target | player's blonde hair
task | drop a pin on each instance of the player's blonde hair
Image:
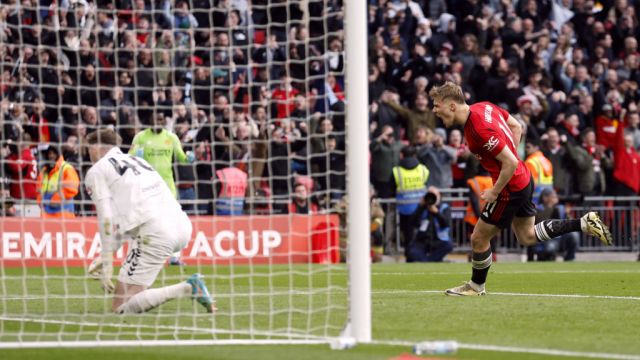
(105, 136)
(447, 91)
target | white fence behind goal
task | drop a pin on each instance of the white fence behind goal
(261, 86)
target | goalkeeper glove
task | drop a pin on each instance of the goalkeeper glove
(95, 268)
(191, 157)
(139, 152)
(107, 273)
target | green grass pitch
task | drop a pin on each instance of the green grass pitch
(526, 308)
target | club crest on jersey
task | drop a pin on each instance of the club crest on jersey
(489, 145)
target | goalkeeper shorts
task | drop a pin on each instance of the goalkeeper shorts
(154, 242)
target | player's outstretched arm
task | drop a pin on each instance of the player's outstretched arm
(101, 196)
(109, 242)
(179, 153)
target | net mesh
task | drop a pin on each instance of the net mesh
(250, 89)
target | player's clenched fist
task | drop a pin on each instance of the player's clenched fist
(488, 195)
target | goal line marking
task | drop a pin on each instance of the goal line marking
(500, 272)
(156, 327)
(375, 292)
(297, 339)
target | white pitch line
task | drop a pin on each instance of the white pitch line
(155, 327)
(376, 292)
(514, 349)
(304, 339)
(571, 296)
(156, 343)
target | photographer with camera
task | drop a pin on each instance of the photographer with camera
(432, 220)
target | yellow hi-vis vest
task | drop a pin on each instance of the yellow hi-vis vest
(542, 172)
(541, 169)
(410, 187)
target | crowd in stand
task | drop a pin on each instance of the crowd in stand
(258, 86)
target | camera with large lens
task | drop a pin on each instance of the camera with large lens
(430, 198)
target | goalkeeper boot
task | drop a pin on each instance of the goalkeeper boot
(464, 290)
(591, 224)
(200, 293)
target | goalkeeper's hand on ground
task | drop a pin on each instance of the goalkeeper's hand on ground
(95, 268)
(107, 274)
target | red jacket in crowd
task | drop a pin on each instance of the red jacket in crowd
(285, 101)
(606, 131)
(24, 174)
(626, 162)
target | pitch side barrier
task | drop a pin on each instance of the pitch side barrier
(621, 213)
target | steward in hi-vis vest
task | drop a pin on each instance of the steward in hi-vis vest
(540, 167)
(57, 185)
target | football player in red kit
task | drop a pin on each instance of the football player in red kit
(493, 137)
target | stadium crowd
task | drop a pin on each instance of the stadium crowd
(258, 86)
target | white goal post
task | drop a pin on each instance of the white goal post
(358, 184)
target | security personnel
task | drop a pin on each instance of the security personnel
(409, 178)
(233, 184)
(540, 167)
(57, 185)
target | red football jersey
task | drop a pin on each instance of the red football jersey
(487, 133)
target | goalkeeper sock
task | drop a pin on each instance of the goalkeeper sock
(150, 298)
(480, 264)
(548, 229)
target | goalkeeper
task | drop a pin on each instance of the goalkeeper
(158, 146)
(131, 198)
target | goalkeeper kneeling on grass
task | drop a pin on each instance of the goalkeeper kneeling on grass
(132, 199)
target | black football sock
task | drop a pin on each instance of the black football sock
(480, 264)
(549, 229)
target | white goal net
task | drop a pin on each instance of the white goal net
(254, 94)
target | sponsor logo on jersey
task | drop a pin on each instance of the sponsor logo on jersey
(491, 144)
(159, 152)
(487, 113)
